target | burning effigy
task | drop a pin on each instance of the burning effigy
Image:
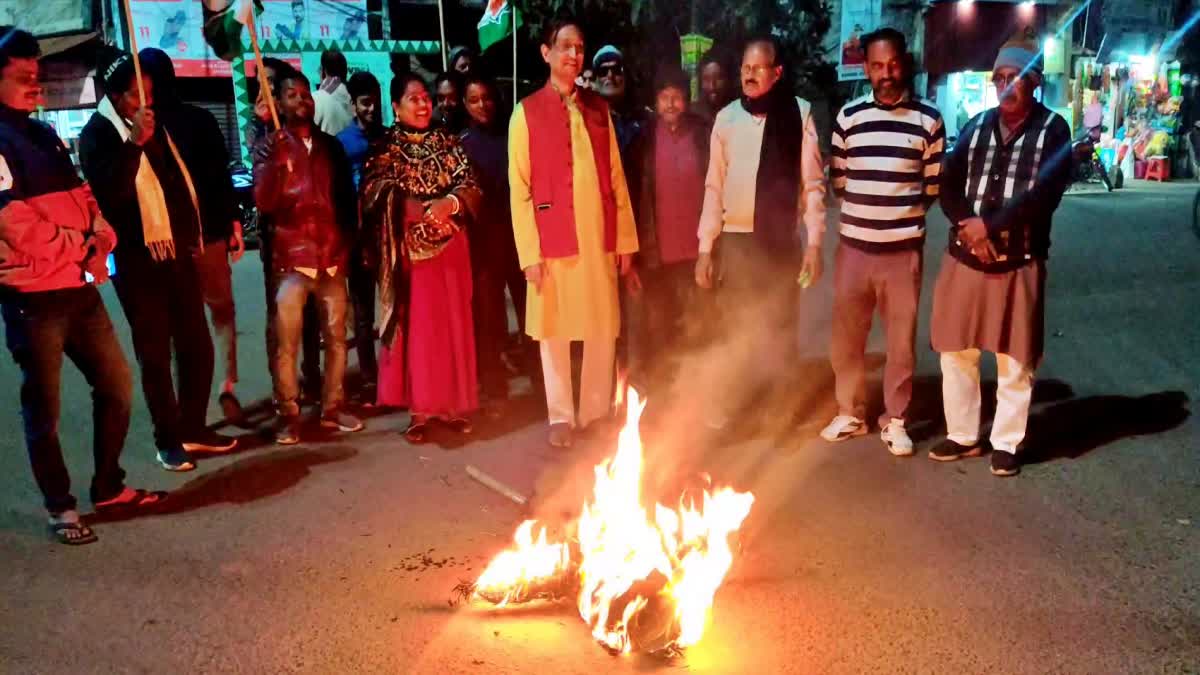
(643, 578)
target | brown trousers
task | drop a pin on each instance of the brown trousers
(863, 281)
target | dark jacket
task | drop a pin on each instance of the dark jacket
(111, 165)
(202, 145)
(312, 205)
(492, 240)
(1019, 225)
(641, 181)
(47, 214)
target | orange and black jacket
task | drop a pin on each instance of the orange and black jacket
(49, 221)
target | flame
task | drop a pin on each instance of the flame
(642, 583)
(522, 573)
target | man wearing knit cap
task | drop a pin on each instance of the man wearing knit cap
(609, 67)
(1000, 187)
(148, 193)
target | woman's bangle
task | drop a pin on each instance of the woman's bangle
(457, 205)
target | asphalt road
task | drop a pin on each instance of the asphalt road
(339, 556)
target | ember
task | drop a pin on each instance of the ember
(642, 583)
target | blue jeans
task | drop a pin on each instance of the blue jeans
(40, 329)
(293, 289)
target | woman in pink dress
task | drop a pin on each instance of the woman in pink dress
(419, 193)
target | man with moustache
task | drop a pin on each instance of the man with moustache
(766, 180)
(574, 228)
(887, 155)
(717, 74)
(303, 181)
(1000, 187)
(54, 244)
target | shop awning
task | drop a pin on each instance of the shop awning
(56, 45)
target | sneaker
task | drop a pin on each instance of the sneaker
(843, 427)
(560, 435)
(948, 451)
(341, 421)
(1005, 463)
(175, 459)
(207, 441)
(896, 438)
(287, 431)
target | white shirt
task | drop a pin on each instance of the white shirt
(334, 111)
(729, 189)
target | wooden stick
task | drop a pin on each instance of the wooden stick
(513, 20)
(262, 72)
(137, 62)
(442, 27)
(496, 485)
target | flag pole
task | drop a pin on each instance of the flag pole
(259, 70)
(137, 63)
(512, 19)
(442, 27)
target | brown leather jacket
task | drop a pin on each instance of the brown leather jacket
(312, 204)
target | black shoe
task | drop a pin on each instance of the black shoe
(1005, 463)
(949, 451)
(207, 441)
(175, 459)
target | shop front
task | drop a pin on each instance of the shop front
(1134, 101)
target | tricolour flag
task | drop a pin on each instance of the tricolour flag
(497, 23)
(223, 21)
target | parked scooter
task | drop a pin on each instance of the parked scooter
(1085, 159)
(243, 192)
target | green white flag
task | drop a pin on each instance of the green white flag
(497, 23)
(223, 21)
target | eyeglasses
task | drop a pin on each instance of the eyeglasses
(756, 71)
(613, 69)
(1005, 80)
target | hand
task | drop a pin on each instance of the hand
(237, 245)
(143, 126)
(536, 275)
(973, 233)
(441, 210)
(704, 270)
(624, 263)
(95, 264)
(633, 282)
(811, 268)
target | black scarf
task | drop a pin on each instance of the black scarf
(777, 186)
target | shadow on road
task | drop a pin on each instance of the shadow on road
(244, 481)
(1074, 428)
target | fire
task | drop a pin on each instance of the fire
(644, 583)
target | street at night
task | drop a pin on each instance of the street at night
(340, 555)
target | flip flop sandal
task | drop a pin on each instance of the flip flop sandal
(141, 499)
(73, 534)
(416, 433)
(232, 409)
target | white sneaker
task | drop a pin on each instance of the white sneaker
(896, 438)
(843, 427)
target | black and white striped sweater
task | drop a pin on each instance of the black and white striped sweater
(886, 165)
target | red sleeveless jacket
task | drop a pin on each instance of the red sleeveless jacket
(552, 174)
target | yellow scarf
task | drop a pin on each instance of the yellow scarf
(152, 203)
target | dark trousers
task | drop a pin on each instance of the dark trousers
(492, 276)
(165, 309)
(40, 329)
(757, 298)
(310, 360)
(362, 297)
(661, 318)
